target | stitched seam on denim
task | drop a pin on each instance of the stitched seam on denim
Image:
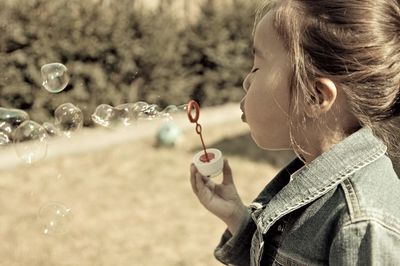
(361, 219)
(257, 248)
(374, 154)
(351, 199)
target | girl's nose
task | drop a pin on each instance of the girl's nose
(246, 83)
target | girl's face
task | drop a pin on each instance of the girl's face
(266, 103)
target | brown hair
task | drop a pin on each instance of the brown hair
(356, 43)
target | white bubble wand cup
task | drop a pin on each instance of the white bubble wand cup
(209, 162)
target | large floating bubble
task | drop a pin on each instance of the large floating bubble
(54, 219)
(68, 119)
(55, 77)
(30, 141)
(12, 116)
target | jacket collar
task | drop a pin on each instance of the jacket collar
(316, 178)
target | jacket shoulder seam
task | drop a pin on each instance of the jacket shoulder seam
(365, 218)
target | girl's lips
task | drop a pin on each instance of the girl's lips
(242, 106)
(243, 117)
(243, 114)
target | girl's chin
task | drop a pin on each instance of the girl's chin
(270, 145)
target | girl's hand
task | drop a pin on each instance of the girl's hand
(222, 199)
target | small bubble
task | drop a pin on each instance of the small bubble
(13, 117)
(68, 119)
(55, 77)
(149, 113)
(104, 115)
(51, 129)
(4, 139)
(127, 113)
(6, 129)
(54, 219)
(140, 106)
(30, 141)
(170, 109)
(182, 107)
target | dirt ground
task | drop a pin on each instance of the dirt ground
(130, 202)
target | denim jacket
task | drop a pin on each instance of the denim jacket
(341, 209)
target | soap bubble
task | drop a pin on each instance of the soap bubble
(51, 129)
(172, 109)
(13, 117)
(105, 115)
(149, 113)
(30, 141)
(6, 128)
(4, 139)
(55, 77)
(127, 113)
(54, 218)
(68, 119)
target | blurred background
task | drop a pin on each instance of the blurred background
(122, 196)
(164, 52)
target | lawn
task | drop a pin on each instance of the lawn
(131, 202)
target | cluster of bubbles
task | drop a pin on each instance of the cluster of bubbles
(30, 138)
(129, 113)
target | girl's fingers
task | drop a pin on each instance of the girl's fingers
(208, 183)
(204, 192)
(227, 174)
(193, 172)
(199, 183)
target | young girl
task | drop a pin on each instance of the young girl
(325, 83)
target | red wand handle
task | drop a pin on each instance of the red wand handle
(194, 106)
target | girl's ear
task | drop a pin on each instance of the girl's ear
(326, 93)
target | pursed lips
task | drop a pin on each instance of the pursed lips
(242, 108)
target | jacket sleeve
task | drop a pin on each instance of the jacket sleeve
(235, 249)
(366, 243)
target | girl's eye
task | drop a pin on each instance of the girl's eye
(254, 70)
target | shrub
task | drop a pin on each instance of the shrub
(121, 54)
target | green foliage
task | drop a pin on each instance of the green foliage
(121, 54)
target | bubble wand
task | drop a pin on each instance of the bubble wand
(193, 105)
(208, 163)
